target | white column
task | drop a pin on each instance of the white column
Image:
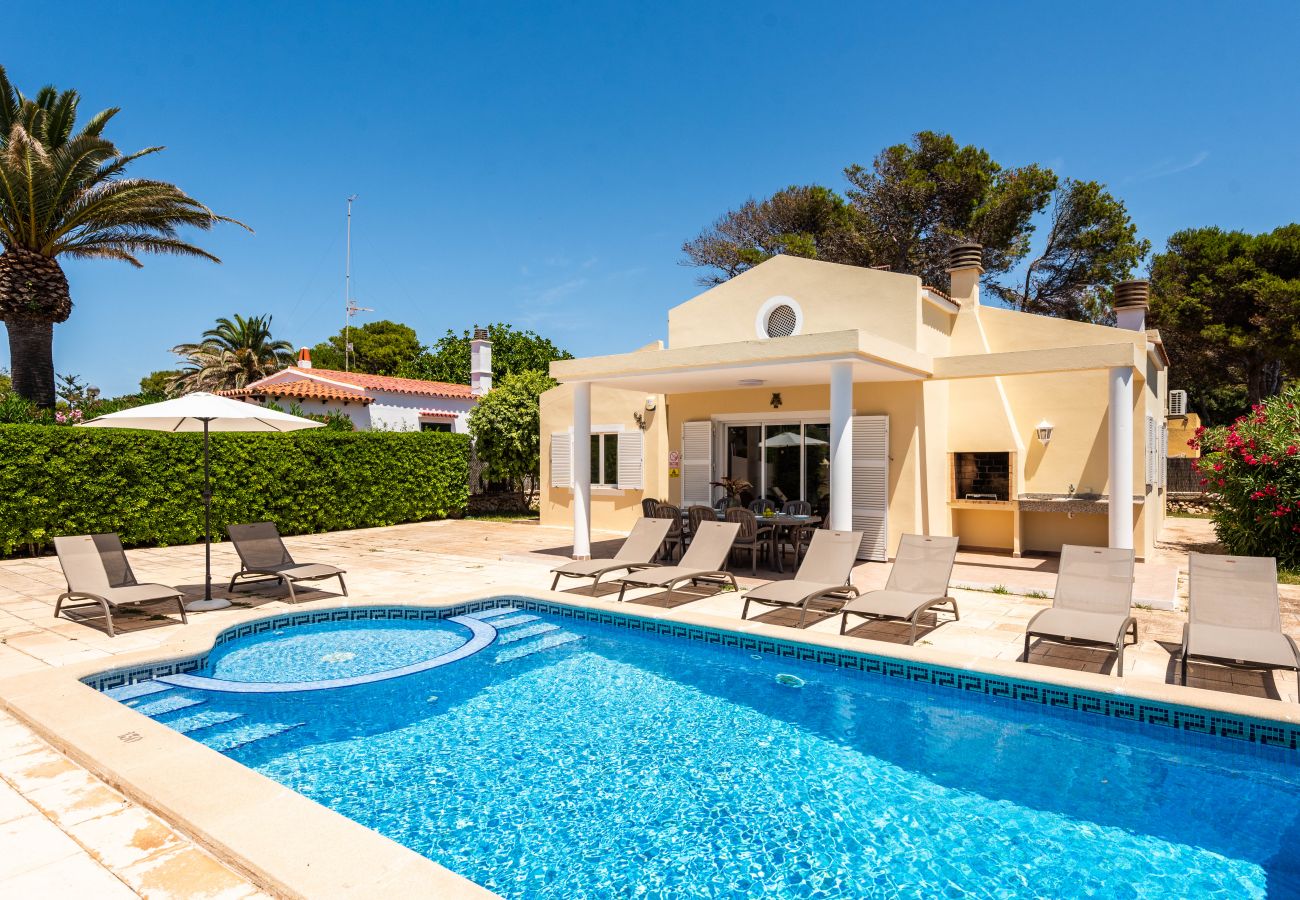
(1120, 457)
(582, 471)
(842, 446)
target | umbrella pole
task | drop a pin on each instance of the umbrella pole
(207, 517)
(208, 602)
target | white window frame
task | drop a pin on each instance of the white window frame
(802, 418)
(602, 431)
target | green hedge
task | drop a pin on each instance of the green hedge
(147, 486)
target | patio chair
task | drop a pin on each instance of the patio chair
(96, 569)
(750, 536)
(824, 575)
(796, 536)
(796, 508)
(697, 514)
(918, 582)
(704, 560)
(675, 538)
(648, 505)
(721, 504)
(265, 558)
(1093, 602)
(758, 507)
(1233, 614)
(639, 548)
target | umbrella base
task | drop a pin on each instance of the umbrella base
(206, 605)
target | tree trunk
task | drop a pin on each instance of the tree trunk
(33, 297)
(31, 353)
(1263, 380)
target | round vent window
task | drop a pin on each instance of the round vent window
(779, 317)
(781, 322)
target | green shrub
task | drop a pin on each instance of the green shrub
(1251, 469)
(147, 485)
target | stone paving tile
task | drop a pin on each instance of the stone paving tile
(147, 858)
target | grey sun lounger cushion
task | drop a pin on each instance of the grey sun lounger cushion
(1234, 615)
(639, 548)
(1093, 602)
(823, 575)
(96, 569)
(265, 558)
(703, 560)
(918, 581)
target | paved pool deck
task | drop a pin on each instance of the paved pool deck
(75, 832)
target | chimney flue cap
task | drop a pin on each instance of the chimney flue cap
(1132, 294)
(966, 255)
(480, 334)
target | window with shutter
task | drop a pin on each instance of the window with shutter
(697, 463)
(561, 459)
(630, 463)
(871, 485)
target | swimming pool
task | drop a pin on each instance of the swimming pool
(574, 758)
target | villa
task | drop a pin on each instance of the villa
(888, 405)
(379, 402)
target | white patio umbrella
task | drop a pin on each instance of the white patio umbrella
(204, 412)
(791, 439)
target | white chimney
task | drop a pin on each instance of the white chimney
(480, 363)
(304, 358)
(1131, 299)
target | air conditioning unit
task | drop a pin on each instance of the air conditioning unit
(1178, 403)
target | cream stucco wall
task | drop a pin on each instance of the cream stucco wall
(832, 298)
(611, 510)
(930, 417)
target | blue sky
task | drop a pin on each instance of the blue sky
(541, 163)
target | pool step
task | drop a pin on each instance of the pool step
(245, 733)
(484, 614)
(547, 642)
(512, 621)
(199, 720)
(139, 689)
(519, 634)
(170, 701)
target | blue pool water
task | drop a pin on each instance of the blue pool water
(575, 760)
(329, 650)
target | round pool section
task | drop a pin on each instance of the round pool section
(333, 653)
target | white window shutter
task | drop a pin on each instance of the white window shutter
(871, 485)
(1162, 462)
(561, 459)
(697, 464)
(629, 460)
(1151, 450)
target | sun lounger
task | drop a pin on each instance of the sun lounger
(265, 558)
(918, 581)
(704, 560)
(1093, 603)
(1234, 616)
(97, 571)
(824, 575)
(639, 548)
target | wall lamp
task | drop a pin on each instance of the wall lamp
(1043, 431)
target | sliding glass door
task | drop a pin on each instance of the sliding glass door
(781, 461)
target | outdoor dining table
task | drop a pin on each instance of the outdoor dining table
(776, 523)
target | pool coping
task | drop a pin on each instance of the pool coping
(294, 847)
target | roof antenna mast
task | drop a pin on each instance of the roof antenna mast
(350, 307)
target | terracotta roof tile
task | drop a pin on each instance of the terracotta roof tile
(390, 383)
(302, 389)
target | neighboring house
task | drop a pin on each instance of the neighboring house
(888, 405)
(379, 402)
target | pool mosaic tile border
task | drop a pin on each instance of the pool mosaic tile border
(1191, 720)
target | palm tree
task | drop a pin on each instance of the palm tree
(62, 195)
(232, 355)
